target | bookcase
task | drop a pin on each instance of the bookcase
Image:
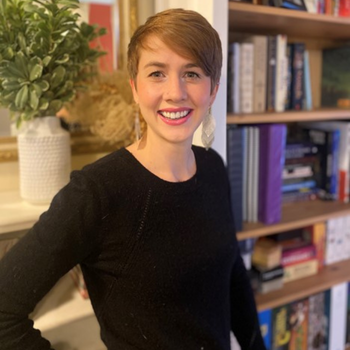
(317, 32)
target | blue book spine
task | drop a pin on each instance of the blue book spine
(332, 171)
(298, 186)
(265, 321)
(235, 173)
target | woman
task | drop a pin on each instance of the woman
(151, 224)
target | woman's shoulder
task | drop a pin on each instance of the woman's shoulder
(115, 163)
(207, 155)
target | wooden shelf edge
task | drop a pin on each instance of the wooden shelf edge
(238, 6)
(322, 211)
(329, 276)
(288, 116)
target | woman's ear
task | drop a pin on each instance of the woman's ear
(213, 93)
(134, 91)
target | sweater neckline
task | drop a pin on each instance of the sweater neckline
(158, 183)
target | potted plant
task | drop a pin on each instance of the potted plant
(44, 54)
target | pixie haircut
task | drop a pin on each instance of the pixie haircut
(184, 31)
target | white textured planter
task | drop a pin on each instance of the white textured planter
(44, 159)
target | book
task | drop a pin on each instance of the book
(317, 235)
(272, 144)
(300, 270)
(298, 324)
(338, 310)
(300, 150)
(298, 255)
(317, 329)
(271, 73)
(235, 158)
(280, 328)
(259, 72)
(344, 154)
(297, 85)
(281, 72)
(246, 77)
(335, 90)
(268, 279)
(267, 253)
(255, 173)
(265, 321)
(328, 147)
(307, 83)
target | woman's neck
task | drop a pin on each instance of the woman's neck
(169, 161)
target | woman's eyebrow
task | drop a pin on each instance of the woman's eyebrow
(164, 65)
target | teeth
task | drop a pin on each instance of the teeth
(175, 115)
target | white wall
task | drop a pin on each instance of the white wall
(216, 12)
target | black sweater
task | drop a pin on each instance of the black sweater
(160, 259)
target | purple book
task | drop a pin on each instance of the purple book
(272, 144)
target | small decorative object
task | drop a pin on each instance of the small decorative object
(44, 54)
(208, 130)
(107, 109)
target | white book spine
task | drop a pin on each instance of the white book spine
(236, 79)
(246, 77)
(256, 134)
(260, 72)
(281, 73)
(338, 316)
(331, 237)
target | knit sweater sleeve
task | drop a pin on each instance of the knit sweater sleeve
(63, 237)
(244, 318)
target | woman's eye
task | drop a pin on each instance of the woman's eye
(156, 74)
(192, 75)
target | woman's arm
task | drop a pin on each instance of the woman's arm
(62, 238)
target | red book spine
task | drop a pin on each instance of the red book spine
(298, 255)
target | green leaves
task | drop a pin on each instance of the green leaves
(44, 54)
(22, 97)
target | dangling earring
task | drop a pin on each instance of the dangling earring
(137, 125)
(208, 129)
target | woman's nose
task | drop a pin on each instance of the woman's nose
(175, 89)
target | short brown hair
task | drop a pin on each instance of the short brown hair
(185, 31)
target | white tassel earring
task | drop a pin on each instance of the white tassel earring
(137, 125)
(208, 130)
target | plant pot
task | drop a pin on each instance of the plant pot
(44, 159)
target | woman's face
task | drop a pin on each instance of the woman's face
(173, 93)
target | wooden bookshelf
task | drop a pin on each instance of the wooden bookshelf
(266, 20)
(296, 215)
(289, 116)
(329, 276)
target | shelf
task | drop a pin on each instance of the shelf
(16, 214)
(329, 276)
(296, 215)
(258, 19)
(289, 116)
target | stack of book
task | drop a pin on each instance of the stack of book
(267, 272)
(299, 172)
